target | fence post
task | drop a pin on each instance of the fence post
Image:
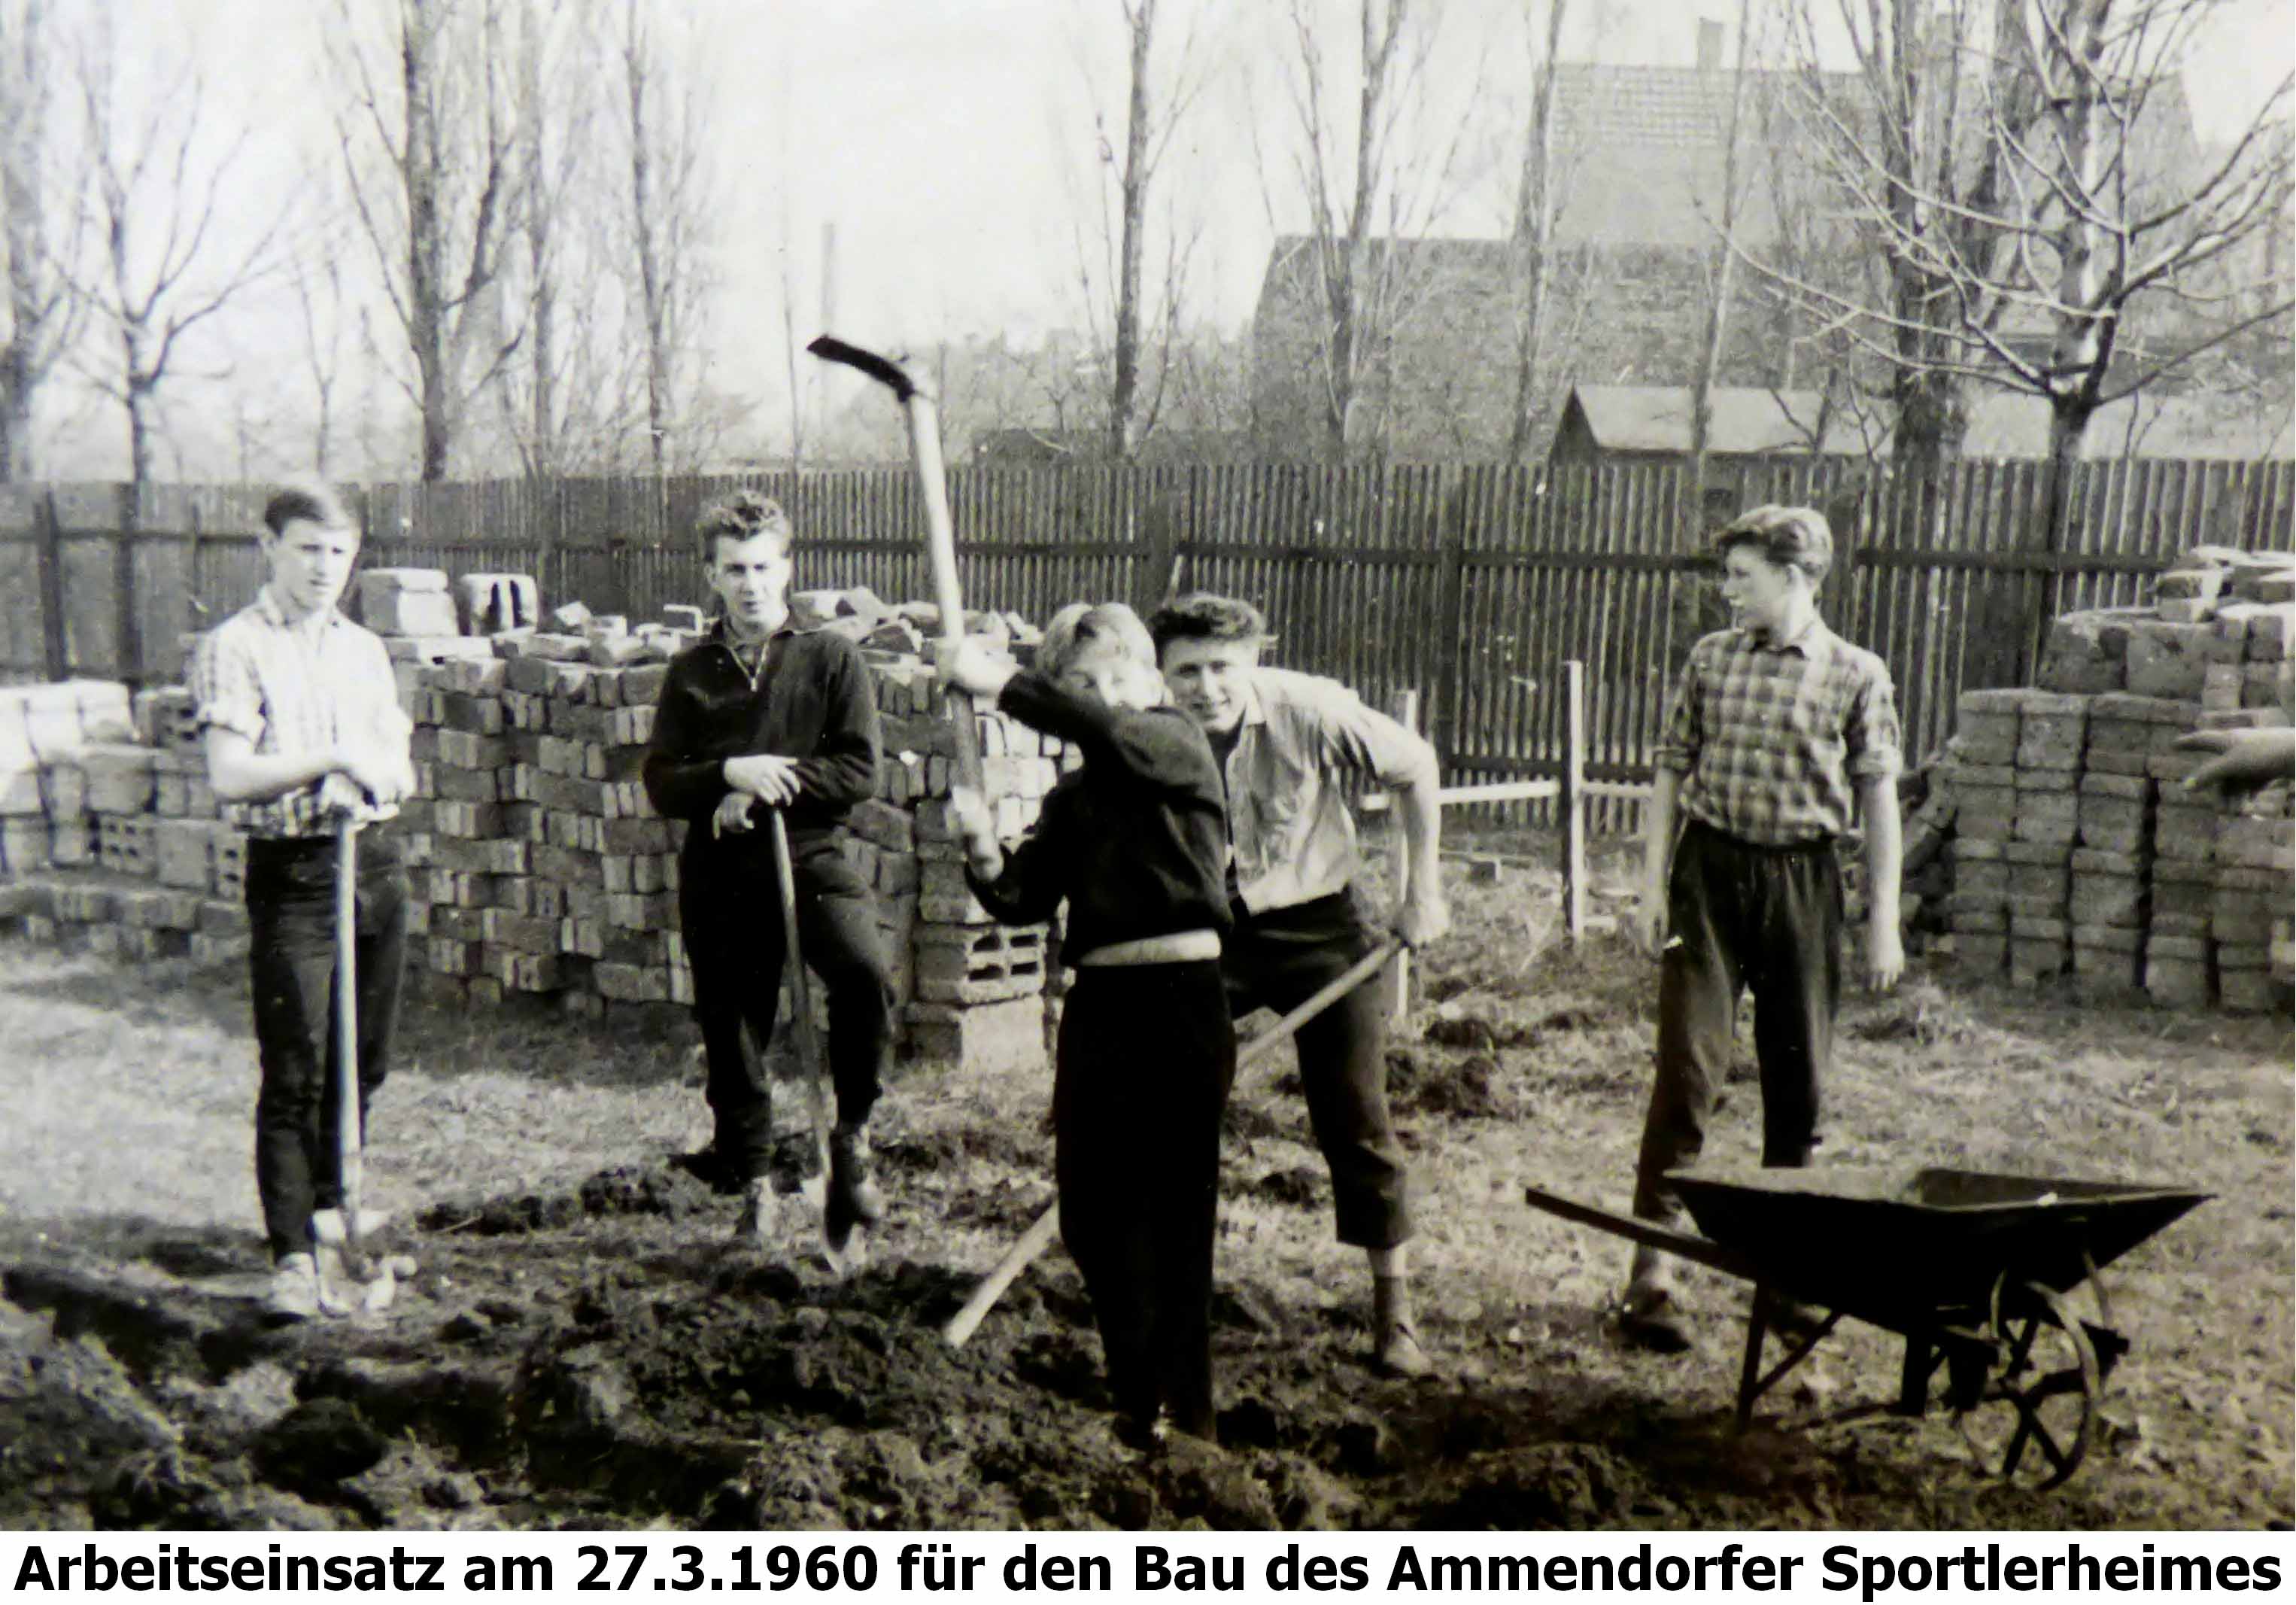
(130, 664)
(53, 641)
(1572, 802)
(1404, 705)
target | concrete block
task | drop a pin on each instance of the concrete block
(2166, 658)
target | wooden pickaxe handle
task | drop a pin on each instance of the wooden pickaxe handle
(1039, 1235)
(923, 418)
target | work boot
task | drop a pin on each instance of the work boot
(853, 1194)
(1649, 1316)
(1398, 1354)
(755, 1229)
(294, 1294)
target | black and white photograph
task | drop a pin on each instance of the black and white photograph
(1506, 788)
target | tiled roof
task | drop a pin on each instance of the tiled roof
(1656, 417)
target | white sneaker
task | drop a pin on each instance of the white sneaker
(294, 1294)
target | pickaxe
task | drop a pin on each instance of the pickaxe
(940, 534)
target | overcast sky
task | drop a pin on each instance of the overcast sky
(951, 144)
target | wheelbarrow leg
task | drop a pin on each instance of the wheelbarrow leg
(1914, 1376)
(1750, 1366)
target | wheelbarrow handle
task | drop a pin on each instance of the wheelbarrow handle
(1688, 1245)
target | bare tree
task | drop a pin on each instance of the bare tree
(319, 310)
(161, 207)
(569, 397)
(670, 224)
(2021, 173)
(1720, 273)
(1358, 270)
(33, 204)
(429, 135)
(1539, 197)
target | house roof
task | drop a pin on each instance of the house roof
(1744, 421)
(1656, 418)
(1640, 150)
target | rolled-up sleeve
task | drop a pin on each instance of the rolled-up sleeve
(1874, 742)
(226, 692)
(1678, 742)
(1357, 738)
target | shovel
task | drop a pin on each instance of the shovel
(374, 1279)
(1039, 1235)
(840, 1230)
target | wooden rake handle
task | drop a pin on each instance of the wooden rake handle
(1034, 1241)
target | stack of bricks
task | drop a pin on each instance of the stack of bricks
(538, 865)
(108, 831)
(2077, 848)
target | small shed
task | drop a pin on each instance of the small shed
(1650, 423)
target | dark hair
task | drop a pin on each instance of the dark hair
(742, 516)
(1201, 616)
(1790, 537)
(317, 504)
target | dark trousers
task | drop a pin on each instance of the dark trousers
(1766, 919)
(729, 906)
(1277, 960)
(1146, 1056)
(291, 912)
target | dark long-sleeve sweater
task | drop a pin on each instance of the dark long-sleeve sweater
(1136, 840)
(809, 700)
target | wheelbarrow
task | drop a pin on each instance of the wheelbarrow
(1977, 1272)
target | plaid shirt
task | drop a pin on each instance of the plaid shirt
(1768, 738)
(293, 688)
(1303, 741)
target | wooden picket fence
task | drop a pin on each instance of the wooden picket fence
(1471, 584)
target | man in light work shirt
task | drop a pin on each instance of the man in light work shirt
(302, 725)
(1291, 747)
(1774, 723)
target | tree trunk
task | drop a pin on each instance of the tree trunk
(650, 290)
(1124, 393)
(1534, 230)
(1692, 515)
(425, 245)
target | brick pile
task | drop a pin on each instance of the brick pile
(2076, 847)
(108, 832)
(538, 865)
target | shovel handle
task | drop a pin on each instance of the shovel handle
(350, 1141)
(801, 985)
(1039, 1235)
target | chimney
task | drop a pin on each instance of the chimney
(1709, 45)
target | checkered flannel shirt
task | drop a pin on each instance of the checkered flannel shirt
(1769, 737)
(293, 688)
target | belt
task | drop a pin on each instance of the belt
(1180, 947)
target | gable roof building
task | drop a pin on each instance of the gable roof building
(1640, 158)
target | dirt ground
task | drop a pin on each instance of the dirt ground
(580, 1350)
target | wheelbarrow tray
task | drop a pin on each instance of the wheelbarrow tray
(1874, 1239)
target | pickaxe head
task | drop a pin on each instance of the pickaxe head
(884, 370)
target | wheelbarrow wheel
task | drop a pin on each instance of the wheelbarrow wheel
(2030, 1426)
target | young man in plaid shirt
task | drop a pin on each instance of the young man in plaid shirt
(1777, 729)
(302, 725)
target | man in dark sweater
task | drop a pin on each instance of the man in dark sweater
(1136, 842)
(762, 715)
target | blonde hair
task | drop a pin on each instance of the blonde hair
(1083, 624)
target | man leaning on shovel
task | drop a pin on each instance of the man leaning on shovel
(759, 716)
(303, 728)
(1291, 747)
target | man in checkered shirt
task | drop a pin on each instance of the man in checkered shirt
(302, 726)
(1774, 722)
